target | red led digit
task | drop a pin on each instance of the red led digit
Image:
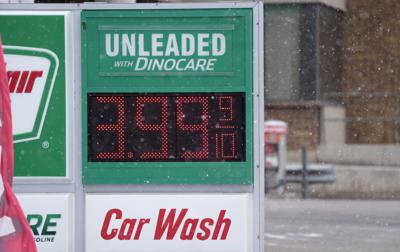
(203, 127)
(225, 105)
(162, 127)
(223, 146)
(117, 127)
(216, 145)
(220, 145)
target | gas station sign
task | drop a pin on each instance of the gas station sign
(36, 70)
(138, 127)
(167, 97)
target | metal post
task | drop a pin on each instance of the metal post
(304, 173)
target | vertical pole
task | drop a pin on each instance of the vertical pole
(304, 173)
(79, 195)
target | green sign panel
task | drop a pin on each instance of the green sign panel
(167, 96)
(34, 47)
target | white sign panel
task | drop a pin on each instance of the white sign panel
(28, 76)
(168, 222)
(50, 217)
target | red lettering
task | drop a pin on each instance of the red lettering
(131, 224)
(106, 224)
(222, 221)
(31, 81)
(140, 227)
(126, 229)
(193, 224)
(22, 81)
(13, 77)
(169, 223)
(167, 226)
(205, 229)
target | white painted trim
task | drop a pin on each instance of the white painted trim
(50, 8)
(69, 95)
(32, 12)
(337, 4)
(258, 127)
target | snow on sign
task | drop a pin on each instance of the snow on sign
(169, 222)
(37, 72)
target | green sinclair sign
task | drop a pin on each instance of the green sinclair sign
(167, 96)
(35, 60)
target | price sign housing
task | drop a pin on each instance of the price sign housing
(152, 118)
(167, 97)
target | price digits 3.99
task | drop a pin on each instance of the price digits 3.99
(166, 127)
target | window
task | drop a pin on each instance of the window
(303, 52)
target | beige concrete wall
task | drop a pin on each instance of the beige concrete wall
(361, 182)
(370, 155)
(333, 125)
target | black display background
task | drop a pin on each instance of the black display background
(180, 141)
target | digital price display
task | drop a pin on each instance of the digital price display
(140, 127)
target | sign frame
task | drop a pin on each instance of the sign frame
(75, 186)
